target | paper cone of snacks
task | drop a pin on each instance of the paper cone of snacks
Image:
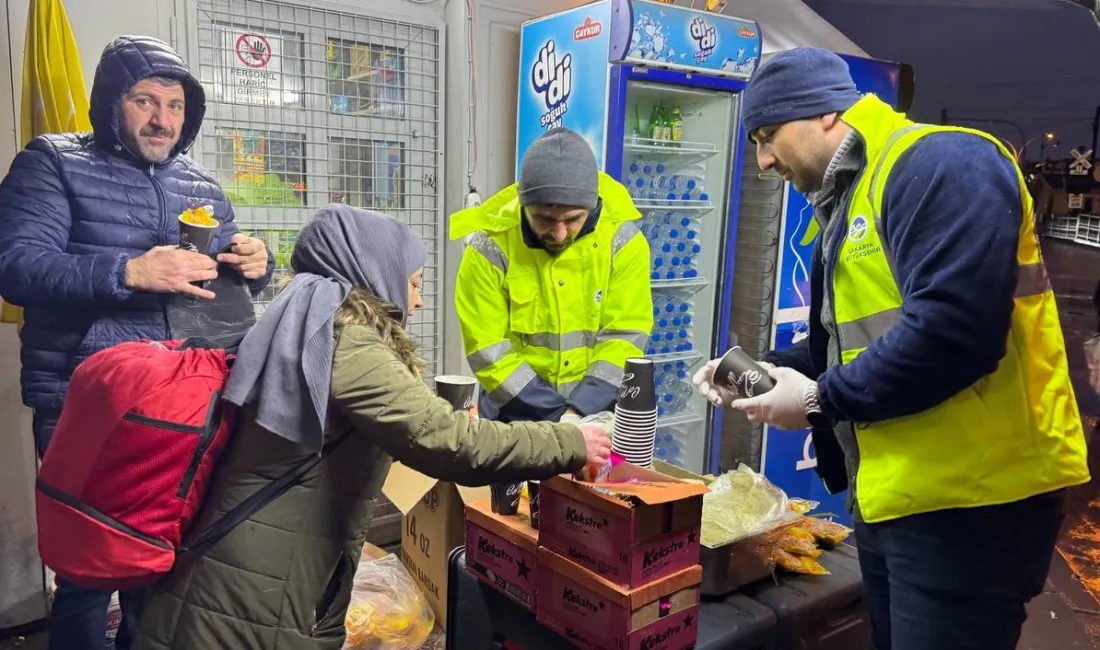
(198, 228)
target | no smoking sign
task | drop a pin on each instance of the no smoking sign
(253, 50)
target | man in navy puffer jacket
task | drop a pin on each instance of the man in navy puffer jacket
(88, 246)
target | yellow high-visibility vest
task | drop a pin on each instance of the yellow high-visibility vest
(1015, 433)
(525, 313)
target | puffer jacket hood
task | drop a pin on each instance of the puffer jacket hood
(126, 61)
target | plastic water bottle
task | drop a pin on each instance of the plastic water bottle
(696, 194)
(666, 182)
(683, 340)
(687, 267)
(689, 180)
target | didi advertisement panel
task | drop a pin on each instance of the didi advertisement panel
(789, 458)
(563, 77)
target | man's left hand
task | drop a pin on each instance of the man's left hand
(248, 255)
(783, 406)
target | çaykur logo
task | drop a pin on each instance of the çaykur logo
(552, 78)
(706, 38)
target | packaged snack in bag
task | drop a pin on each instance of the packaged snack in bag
(799, 541)
(798, 563)
(387, 611)
(827, 533)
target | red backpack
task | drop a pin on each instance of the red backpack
(130, 460)
(125, 471)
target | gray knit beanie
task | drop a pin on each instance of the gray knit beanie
(559, 169)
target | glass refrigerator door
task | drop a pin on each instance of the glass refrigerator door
(677, 159)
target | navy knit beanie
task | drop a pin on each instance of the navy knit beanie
(796, 85)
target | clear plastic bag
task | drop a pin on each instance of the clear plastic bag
(604, 419)
(742, 503)
(1092, 356)
(387, 611)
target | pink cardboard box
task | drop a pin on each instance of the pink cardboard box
(636, 527)
(500, 551)
(592, 613)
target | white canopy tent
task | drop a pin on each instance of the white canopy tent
(786, 24)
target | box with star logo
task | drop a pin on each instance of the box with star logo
(500, 551)
(635, 527)
(592, 612)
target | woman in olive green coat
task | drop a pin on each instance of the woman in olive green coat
(331, 358)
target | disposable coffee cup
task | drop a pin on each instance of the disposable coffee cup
(533, 498)
(459, 390)
(504, 498)
(622, 419)
(636, 391)
(739, 372)
(195, 237)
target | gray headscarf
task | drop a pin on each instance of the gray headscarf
(284, 364)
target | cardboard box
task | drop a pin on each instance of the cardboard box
(592, 612)
(433, 524)
(631, 533)
(500, 550)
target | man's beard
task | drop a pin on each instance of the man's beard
(555, 246)
(145, 153)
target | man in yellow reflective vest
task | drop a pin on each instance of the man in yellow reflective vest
(935, 359)
(553, 289)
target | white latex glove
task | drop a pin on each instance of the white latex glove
(719, 396)
(783, 406)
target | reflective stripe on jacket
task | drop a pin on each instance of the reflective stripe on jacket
(569, 321)
(1014, 434)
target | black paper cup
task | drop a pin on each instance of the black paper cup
(197, 239)
(631, 419)
(505, 498)
(533, 498)
(637, 392)
(459, 390)
(739, 372)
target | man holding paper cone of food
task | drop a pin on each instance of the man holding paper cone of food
(90, 246)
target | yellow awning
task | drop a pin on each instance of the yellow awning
(54, 96)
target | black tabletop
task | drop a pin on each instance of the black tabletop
(481, 617)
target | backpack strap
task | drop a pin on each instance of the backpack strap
(254, 503)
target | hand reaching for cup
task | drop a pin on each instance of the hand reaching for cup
(717, 395)
(597, 443)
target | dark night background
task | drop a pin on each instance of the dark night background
(1032, 62)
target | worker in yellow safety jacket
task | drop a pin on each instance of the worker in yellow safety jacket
(553, 290)
(935, 366)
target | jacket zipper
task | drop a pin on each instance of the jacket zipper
(162, 233)
(162, 238)
(206, 438)
(835, 249)
(841, 237)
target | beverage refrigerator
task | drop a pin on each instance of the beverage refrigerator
(654, 89)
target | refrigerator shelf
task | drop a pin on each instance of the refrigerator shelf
(689, 357)
(694, 150)
(693, 285)
(679, 419)
(644, 205)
